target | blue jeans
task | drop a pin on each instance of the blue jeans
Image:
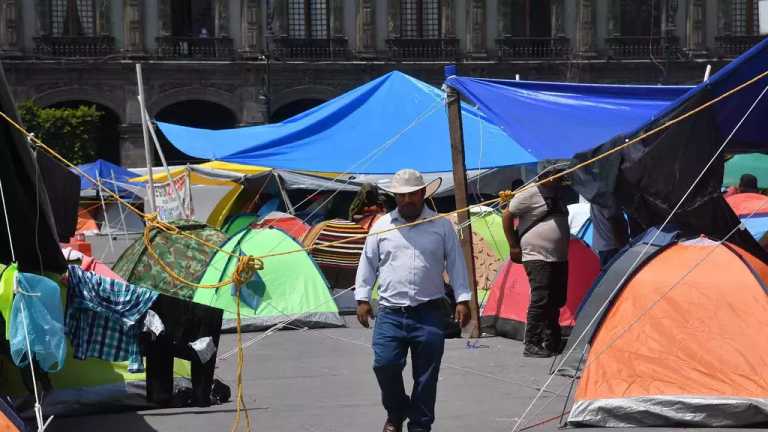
(420, 329)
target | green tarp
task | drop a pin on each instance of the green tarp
(748, 163)
(488, 226)
(293, 286)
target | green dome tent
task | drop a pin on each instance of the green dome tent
(291, 286)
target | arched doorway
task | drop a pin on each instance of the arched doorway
(106, 137)
(293, 108)
(194, 113)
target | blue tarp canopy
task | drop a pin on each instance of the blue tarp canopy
(558, 120)
(111, 176)
(390, 123)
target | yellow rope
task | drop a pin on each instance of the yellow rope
(505, 195)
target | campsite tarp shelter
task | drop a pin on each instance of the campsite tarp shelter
(35, 239)
(680, 341)
(112, 177)
(291, 286)
(505, 313)
(652, 176)
(347, 134)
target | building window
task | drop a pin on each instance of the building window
(420, 19)
(72, 18)
(192, 18)
(308, 19)
(640, 18)
(745, 16)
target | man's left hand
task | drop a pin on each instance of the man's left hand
(462, 313)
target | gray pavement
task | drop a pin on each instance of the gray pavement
(321, 381)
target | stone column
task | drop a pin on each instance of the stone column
(42, 18)
(558, 19)
(695, 28)
(511, 18)
(724, 18)
(585, 29)
(476, 28)
(165, 28)
(221, 17)
(393, 19)
(366, 28)
(132, 146)
(250, 21)
(9, 31)
(448, 18)
(614, 18)
(133, 26)
(103, 17)
(336, 17)
(279, 14)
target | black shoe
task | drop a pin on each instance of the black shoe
(536, 351)
(555, 348)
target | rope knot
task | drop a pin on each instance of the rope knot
(153, 221)
(247, 266)
(506, 196)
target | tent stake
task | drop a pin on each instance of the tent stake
(453, 102)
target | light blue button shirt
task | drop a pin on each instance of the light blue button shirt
(409, 262)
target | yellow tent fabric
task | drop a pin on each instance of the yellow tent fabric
(195, 178)
(224, 207)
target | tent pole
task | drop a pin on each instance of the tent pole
(284, 194)
(119, 204)
(453, 102)
(104, 209)
(151, 129)
(147, 148)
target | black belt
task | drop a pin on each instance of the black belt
(426, 305)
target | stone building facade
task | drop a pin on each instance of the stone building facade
(225, 63)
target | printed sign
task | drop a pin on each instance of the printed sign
(167, 204)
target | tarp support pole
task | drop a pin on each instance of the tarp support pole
(147, 148)
(453, 102)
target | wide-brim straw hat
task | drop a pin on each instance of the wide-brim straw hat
(409, 180)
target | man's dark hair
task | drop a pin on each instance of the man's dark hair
(748, 183)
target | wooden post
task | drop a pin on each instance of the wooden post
(453, 101)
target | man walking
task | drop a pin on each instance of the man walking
(540, 242)
(409, 264)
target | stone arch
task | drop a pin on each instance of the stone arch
(80, 93)
(219, 97)
(302, 92)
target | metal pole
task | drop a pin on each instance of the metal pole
(147, 149)
(453, 101)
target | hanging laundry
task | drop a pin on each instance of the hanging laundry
(37, 312)
(102, 317)
(7, 278)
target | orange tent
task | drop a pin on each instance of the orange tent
(746, 204)
(682, 341)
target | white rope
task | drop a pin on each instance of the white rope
(7, 224)
(643, 253)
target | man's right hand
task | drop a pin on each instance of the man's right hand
(515, 254)
(364, 313)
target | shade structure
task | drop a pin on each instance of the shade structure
(505, 313)
(112, 177)
(390, 123)
(291, 287)
(680, 341)
(586, 115)
(748, 163)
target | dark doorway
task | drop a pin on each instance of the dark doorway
(194, 113)
(192, 18)
(107, 137)
(293, 108)
(640, 18)
(539, 18)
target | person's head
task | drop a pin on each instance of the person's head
(410, 191)
(748, 183)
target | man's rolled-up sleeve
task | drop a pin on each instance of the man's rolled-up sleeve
(367, 269)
